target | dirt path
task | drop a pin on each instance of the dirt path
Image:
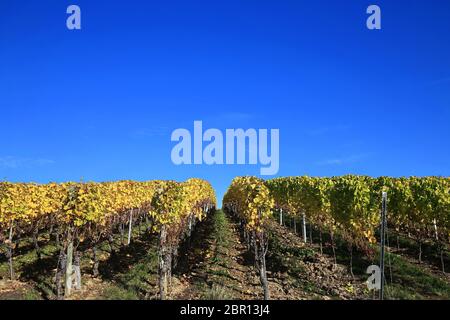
(215, 266)
(219, 266)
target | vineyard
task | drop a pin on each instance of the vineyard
(347, 206)
(284, 238)
(82, 215)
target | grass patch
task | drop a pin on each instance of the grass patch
(218, 259)
(119, 293)
(32, 295)
(216, 292)
(410, 281)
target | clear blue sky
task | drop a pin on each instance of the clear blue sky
(100, 103)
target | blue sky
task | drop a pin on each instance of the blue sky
(100, 103)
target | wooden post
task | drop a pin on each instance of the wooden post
(129, 227)
(264, 270)
(77, 271)
(69, 269)
(59, 273)
(435, 229)
(304, 227)
(10, 252)
(260, 255)
(163, 263)
(382, 235)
